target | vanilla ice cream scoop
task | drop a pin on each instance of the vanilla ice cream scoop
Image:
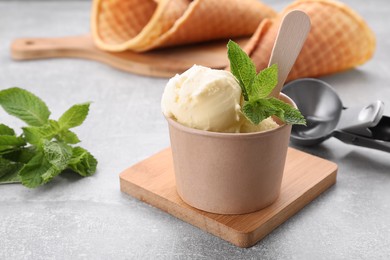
(266, 124)
(204, 99)
(208, 99)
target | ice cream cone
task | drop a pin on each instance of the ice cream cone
(141, 25)
(339, 40)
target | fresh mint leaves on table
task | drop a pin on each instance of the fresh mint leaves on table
(257, 87)
(46, 147)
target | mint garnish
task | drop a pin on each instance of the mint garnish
(25, 106)
(44, 150)
(257, 87)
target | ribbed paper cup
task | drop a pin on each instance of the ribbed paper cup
(229, 173)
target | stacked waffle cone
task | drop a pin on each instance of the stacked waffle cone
(339, 39)
(141, 25)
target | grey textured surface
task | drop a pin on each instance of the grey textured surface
(89, 218)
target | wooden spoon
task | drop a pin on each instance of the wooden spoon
(292, 34)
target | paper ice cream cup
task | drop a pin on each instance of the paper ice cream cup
(229, 173)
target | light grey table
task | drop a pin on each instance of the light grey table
(89, 218)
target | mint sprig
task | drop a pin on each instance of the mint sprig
(45, 148)
(25, 106)
(258, 105)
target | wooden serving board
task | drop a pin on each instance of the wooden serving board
(305, 177)
(158, 63)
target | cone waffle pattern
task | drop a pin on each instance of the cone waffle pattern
(141, 25)
(118, 25)
(206, 20)
(338, 40)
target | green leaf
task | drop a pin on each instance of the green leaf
(36, 135)
(25, 106)
(31, 173)
(50, 152)
(6, 130)
(290, 115)
(74, 116)
(7, 166)
(45, 165)
(9, 171)
(69, 137)
(9, 142)
(259, 109)
(82, 162)
(57, 153)
(32, 135)
(241, 67)
(264, 82)
(22, 155)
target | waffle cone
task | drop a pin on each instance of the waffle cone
(339, 39)
(141, 25)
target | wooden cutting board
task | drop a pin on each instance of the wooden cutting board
(158, 63)
(305, 177)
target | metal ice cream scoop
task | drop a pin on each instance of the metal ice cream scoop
(326, 117)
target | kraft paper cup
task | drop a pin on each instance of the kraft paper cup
(229, 173)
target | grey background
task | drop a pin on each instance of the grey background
(89, 218)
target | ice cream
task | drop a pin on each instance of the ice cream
(208, 99)
(205, 99)
(266, 124)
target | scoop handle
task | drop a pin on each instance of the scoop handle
(292, 35)
(358, 140)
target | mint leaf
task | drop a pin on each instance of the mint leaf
(74, 116)
(241, 67)
(45, 165)
(9, 171)
(22, 155)
(258, 110)
(6, 130)
(69, 137)
(25, 106)
(264, 82)
(290, 115)
(35, 135)
(9, 142)
(44, 149)
(31, 173)
(82, 162)
(257, 88)
(58, 154)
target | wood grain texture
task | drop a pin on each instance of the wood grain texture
(158, 63)
(291, 36)
(305, 177)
